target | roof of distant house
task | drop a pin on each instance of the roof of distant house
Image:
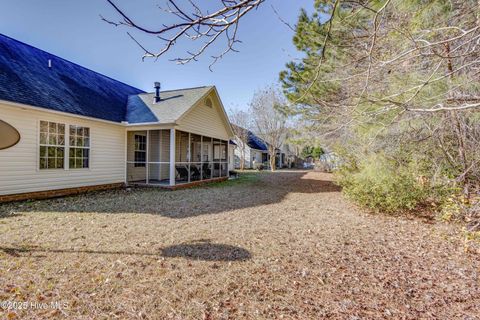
(254, 141)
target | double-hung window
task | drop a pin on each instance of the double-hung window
(79, 154)
(140, 150)
(52, 145)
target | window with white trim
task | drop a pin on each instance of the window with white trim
(52, 145)
(140, 150)
(79, 152)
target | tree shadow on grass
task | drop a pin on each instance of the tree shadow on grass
(207, 251)
(267, 188)
(202, 250)
(4, 215)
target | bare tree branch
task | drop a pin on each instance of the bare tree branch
(192, 23)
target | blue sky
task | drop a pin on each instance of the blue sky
(73, 30)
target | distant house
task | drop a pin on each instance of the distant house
(256, 152)
(71, 129)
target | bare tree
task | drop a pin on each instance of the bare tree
(270, 122)
(192, 21)
(240, 123)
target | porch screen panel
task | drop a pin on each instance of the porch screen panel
(154, 156)
(195, 157)
(182, 157)
(164, 155)
(207, 157)
(217, 157)
(223, 158)
(136, 156)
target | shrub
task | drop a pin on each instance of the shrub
(382, 185)
(259, 166)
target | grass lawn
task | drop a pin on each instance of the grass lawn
(268, 245)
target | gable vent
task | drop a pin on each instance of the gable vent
(208, 102)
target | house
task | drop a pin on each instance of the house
(291, 157)
(256, 151)
(71, 129)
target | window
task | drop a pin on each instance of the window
(79, 153)
(52, 145)
(140, 150)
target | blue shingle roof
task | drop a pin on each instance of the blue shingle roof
(253, 141)
(25, 77)
(138, 111)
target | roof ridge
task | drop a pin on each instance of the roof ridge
(190, 88)
(78, 65)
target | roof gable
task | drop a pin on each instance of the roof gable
(207, 117)
(172, 106)
(25, 77)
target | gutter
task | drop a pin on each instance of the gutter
(42, 109)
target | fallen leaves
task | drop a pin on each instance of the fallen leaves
(289, 247)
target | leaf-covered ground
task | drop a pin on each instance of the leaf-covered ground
(270, 245)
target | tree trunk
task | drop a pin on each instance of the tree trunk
(272, 162)
(242, 159)
(459, 132)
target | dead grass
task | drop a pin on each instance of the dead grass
(283, 245)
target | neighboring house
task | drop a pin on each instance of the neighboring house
(290, 157)
(256, 151)
(79, 129)
(231, 155)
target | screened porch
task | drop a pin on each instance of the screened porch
(170, 157)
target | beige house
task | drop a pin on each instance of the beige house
(79, 130)
(256, 152)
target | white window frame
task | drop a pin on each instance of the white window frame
(84, 147)
(66, 147)
(47, 144)
(135, 150)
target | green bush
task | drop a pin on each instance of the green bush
(382, 185)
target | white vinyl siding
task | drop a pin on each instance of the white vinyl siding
(231, 157)
(206, 121)
(250, 154)
(19, 165)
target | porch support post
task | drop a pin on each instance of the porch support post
(201, 157)
(147, 159)
(189, 155)
(172, 157)
(227, 156)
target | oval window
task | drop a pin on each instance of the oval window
(9, 136)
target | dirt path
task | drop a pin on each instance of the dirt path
(283, 245)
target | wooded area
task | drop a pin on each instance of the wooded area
(391, 86)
